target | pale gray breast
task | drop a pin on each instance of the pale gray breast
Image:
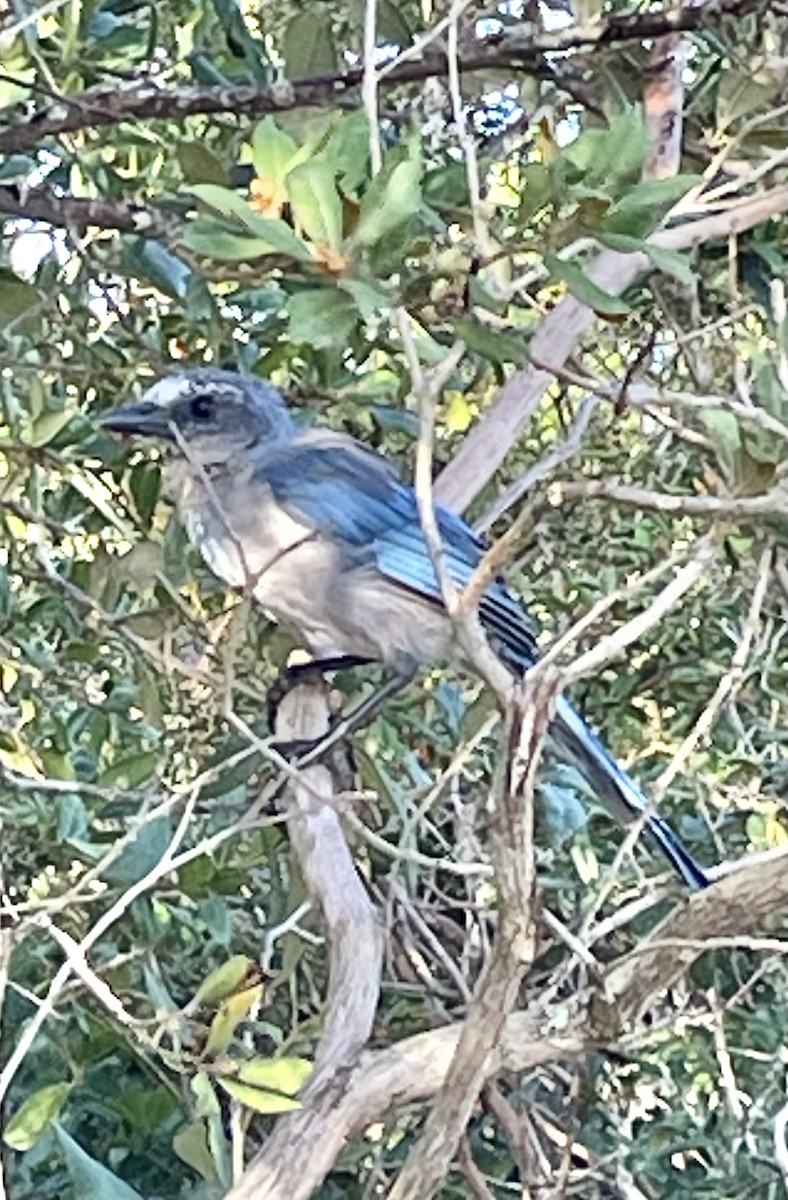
(334, 598)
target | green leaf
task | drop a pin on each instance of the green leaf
(16, 168)
(145, 486)
(222, 982)
(201, 165)
(141, 855)
(231, 1013)
(308, 45)
(215, 240)
(14, 91)
(392, 198)
(275, 152)
(212, 240)
(191, 1146)
(740, 93)
(91, 1180)
(36, 1114)
(287, 1075)
(368, 298)
(16, 296)
(262, 1102)
(131, 771)
(316, 204)
(240, 39)
(492, 344)
(321, 317)
(48, 426)
(391, 24)
(152, 260)
(640, 211)
(584, 288)
(348, 149)
(724, 431)
(608, 158)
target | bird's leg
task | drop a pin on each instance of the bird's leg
(290, 677)
(304, 753)
(361, 715)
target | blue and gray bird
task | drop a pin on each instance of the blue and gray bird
(324, 535)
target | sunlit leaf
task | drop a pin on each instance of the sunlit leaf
(275, 152)
(232, 1012)
(287, 1075)
(37, 1113)
(223, 981)
(459, 413)
(317, 207)
(394, 196)
(260, 1101)
(191, 1145)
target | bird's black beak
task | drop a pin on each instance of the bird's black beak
(142, 419)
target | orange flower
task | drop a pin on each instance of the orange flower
(266, 197)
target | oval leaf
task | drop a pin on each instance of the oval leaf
(308, 45)
(286, 1075)
(38, 1111)
(393, 197)
(222, 982)
(315, 200)
(262, 1102)
(232, 1012)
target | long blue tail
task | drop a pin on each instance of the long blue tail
(618, 792)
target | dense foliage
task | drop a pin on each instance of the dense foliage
(222, 182)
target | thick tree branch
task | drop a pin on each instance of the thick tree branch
(415, 1069)
(355, 935)
(103, 107)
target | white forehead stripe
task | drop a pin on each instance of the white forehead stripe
(168, 390)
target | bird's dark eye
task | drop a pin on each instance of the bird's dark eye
(201, 407)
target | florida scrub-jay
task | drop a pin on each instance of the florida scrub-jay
(323, 533)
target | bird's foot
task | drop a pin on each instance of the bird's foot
(303, 753)
(291, 677)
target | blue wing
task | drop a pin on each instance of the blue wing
(356, 496)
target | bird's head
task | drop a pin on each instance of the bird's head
(207, 411)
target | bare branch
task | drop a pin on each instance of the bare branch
(302, 1148)
(354, 932)
(742, 508)
(148, 101)
(42, 204)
